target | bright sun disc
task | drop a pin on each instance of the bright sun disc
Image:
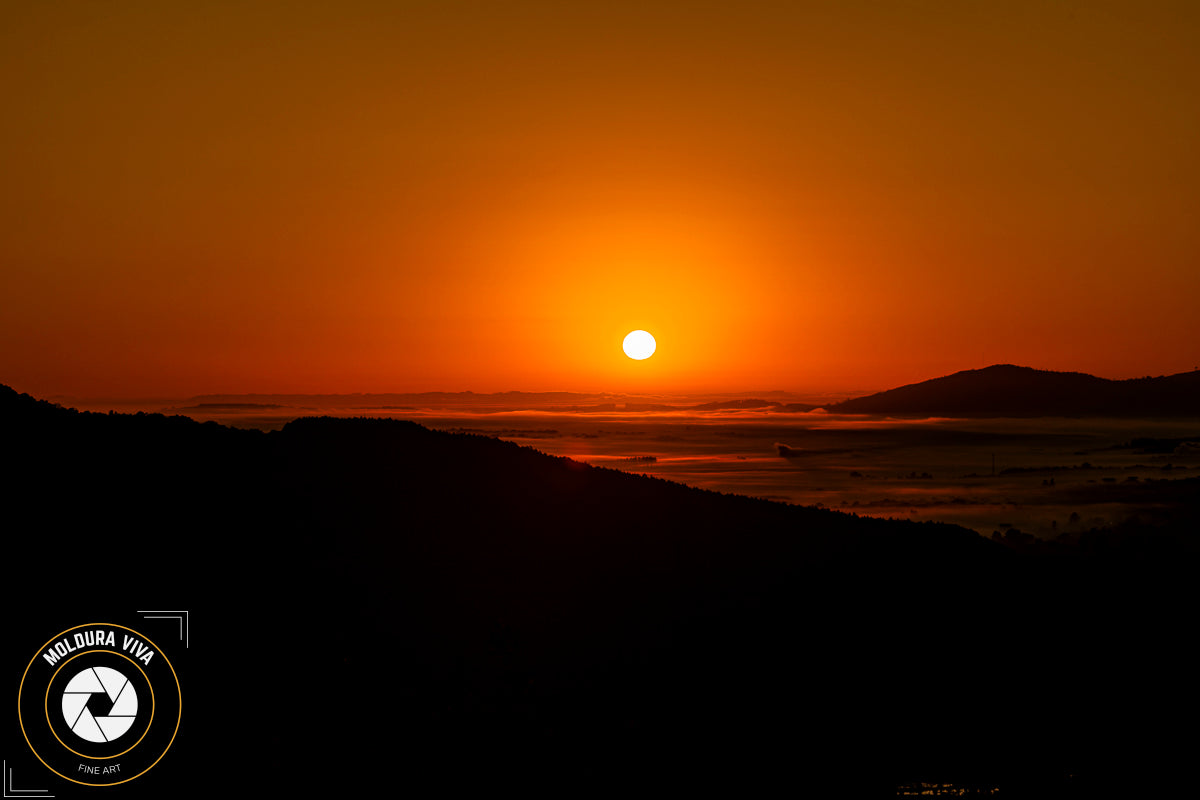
(638, 345)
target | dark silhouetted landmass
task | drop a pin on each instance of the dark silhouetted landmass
(404, 607)
(228, 407)
(417, 399)
(753, 404)
(795, 408)
(1155, 445)
(1006, 390)
(560, 402)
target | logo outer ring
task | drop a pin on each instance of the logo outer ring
(55, 638)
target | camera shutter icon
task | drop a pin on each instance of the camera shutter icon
(100, 704)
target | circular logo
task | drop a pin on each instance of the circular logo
(100, 704)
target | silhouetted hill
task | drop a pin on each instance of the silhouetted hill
(1006, 390)
(753, 404)
(488, 615)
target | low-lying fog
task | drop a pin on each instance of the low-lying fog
(1042, 476)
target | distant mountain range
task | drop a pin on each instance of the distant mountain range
(1007, 390)
(453, 609)
(561, 402)
(1002, 390)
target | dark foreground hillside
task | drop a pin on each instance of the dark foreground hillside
(385, 607)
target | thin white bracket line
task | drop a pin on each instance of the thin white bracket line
(8, 787)
(185, 632)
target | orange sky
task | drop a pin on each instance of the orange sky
(343, 197)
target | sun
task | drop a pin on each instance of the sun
(639, 345)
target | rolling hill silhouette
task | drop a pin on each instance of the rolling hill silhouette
(1007, 390)
(429, 606)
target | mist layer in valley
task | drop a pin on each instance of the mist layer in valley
(1046, 477)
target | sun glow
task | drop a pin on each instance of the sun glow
(639, 345)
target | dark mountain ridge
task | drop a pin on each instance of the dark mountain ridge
(1007, 390)
(568, 402)
(491, 615)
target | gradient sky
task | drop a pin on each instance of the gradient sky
(353, 196)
